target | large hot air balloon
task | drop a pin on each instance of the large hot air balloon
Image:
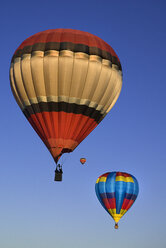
(116, 192)
(65, 82)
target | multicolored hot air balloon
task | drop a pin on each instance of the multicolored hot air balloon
(65, 82)
(82, 160)
(116, 192)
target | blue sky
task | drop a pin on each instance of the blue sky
(37, 212)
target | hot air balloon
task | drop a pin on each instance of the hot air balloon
(116, 192)
(65, 82)
(82, 160)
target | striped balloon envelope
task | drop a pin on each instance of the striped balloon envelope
(116, 192)
(65, 82)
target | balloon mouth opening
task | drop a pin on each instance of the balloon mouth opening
(57, 152)
(116, 226)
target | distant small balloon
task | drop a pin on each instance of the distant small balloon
(116, 192)
(82, 160)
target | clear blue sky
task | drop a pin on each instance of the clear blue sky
(35, 211)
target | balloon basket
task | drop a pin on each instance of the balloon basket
(116, 226)
(58, 177)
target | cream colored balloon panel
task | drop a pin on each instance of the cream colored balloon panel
(27, 78)
(114, 91)
(113, 86)
(65, 67)
(93, 74)
(51, 64)
(102, 85)
(19, 82)
(80, 68)
(13, 88)
(38, 75)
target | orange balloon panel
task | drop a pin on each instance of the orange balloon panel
(64, 131)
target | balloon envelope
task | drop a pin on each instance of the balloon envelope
(82, 160)
(65, 82)
(116, 192)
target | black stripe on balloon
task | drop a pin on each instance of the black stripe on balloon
(63, 106)
(130, 196)
(107, 195)
(59, 46)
